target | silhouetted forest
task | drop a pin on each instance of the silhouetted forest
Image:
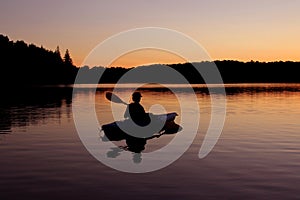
(31, 65)
(231, 72)
(245, 72)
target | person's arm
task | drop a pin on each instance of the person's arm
(126, 114)
(154, 136)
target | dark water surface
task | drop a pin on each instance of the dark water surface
(257, 155)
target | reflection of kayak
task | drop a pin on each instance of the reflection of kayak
(114, 133)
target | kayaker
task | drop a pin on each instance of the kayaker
(136, 111)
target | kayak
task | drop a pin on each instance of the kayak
(114, 133)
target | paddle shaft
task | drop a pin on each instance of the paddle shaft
(114, 98)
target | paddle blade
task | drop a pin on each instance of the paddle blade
(114, 98)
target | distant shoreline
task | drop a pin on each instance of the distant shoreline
(149, 85)
(24, 64)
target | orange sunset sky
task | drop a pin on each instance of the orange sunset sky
(263, 30)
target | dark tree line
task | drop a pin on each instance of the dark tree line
(244, 72)
(28, 64)
(230, 71)
(31, 65)
(259, 72)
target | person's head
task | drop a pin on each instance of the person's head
(136, 97)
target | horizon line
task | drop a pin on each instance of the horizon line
(182, 63)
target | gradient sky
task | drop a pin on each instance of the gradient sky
(264, 30)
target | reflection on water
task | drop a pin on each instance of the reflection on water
(257, 155)
(33, 106)
(116, 151)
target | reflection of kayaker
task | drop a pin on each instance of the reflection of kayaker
(136, 112)
(116, 151)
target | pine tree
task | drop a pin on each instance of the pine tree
(58, 55)
(57, 52)
(68, 59)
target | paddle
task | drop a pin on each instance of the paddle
(114, 98)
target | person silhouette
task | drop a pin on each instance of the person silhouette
(136, 112)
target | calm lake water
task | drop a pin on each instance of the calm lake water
(257, 155)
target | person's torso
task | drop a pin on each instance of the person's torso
(136, 110)
(138, 114)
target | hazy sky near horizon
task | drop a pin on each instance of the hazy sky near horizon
(264, 30)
